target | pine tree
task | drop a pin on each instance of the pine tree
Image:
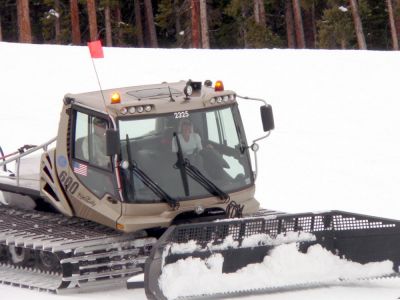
(298, 24)
(194, 6)
(205, 41)
(1, 31)
(75, 26)
(138, 24)
(24, 23)
(107, 22)
(336, 29)
(151, 28)
(118, 21)
(91, 9)
(289, 18)
(393, 30)
(358, 25)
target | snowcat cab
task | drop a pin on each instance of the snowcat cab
(138, 174)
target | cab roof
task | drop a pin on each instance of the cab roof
(131, 95)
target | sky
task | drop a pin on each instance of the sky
(335, 146)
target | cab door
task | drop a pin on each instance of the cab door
(98, 197)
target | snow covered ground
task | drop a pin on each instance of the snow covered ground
(336, 143)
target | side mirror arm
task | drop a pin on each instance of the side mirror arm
(267, 118)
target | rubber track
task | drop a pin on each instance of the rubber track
(89, 254)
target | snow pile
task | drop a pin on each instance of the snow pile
(228, 242)
(180, 248)
(254, 240)
(283, 267)
(283, 238)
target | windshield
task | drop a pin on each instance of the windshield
(210, 140)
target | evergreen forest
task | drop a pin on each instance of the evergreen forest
(215, 24)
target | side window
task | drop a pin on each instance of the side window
(90, 143)
(81, 137)
(212, 127)
(229, 128)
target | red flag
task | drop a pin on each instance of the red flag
(96, 50)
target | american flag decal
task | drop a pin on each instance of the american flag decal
(80, 169)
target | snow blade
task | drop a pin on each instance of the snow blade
(240, 242)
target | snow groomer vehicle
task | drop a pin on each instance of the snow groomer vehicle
(144, 177)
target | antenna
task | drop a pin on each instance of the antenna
(96, 51)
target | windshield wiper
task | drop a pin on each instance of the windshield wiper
(188, 169)
(143, 177)
(181, 165)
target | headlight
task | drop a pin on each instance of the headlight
(124, 110)
(219, 99)
(147, 108)
(140, 109)
(132, 110)
(212, 100)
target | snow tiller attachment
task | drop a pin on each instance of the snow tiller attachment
(274, 253)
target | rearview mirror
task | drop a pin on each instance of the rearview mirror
(267, 117)
(112, 142)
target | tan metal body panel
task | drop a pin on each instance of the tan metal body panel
(85, 204)
(140, 216)
(50, 180)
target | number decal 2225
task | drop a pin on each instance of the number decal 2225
(181, 114)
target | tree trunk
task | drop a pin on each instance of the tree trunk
(178, 28)
(242, 27)
(263, 19)
(151, 28)
(393, 30)
(91, 7)
(289, 24)
(259, 12)
(195, 24)
(205, 41)
(298, 25)
(397, 17)
(309, 28)
(256, 11)
(1, 32)
(138, 24)
(343, 44)
(75, 27)
(107, 20)
(358, 25)
(57, 21)
(24, 23)
(118, 20)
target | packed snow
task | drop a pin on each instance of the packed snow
(336, 143)
(283, 267)
(254, 240)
